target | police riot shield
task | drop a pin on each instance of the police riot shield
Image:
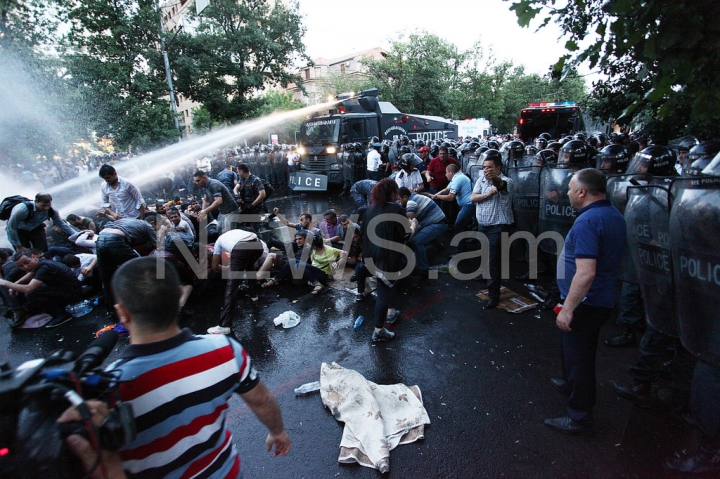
(475, 172)
(556, 214)
(694, 233)
(617, 186)
(526, 197)
(647, 215)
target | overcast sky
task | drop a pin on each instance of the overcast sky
(337, 27)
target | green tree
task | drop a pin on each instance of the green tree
(660, 58)
(114, 65)
(201, 120)
(237, 49)
(418, 74)
(277, 101)
(336, 83)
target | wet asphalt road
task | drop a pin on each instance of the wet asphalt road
(483, 376)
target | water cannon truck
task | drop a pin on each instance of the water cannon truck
(356, 119)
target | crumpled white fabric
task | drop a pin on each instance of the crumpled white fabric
(377, 417)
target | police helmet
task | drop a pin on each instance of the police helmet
(656, 160)
(540, 143)
(545, 156)
(530, 150)
(515, 149)
(473, 145)
(406, 161)
(573, 151)
(554, 146)
(490, 154)
(434, 150)
(602, 139)
(613, 159)
(419, 143)
(579, 136)
(699, 157)
(481, 150)
(545, 136)
(713, 169)
(493, 145)
(404, 149)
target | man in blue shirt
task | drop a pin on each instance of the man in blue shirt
(459, 189)
(587, 275)
(26, 225)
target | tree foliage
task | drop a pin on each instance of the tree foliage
(424, 74)
(660, 58)
(113, 62)
(237, 49)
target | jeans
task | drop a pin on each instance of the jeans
(112, 251)
(309, 272)
(579, 348)
(34, 239)
(385, 299)
(243, 257)
(423, 236)
(463, 222)
(50, 301)
(362, 274)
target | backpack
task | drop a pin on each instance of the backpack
(10, 202)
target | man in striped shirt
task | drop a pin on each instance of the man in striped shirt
(179, 385)
(431, 225)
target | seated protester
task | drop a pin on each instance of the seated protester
(304, 224)
(86, 240)
(431, 225)
(323, 259)
(48, 287)
(81, 222)
(83, 265)
(346, 226)
(355, 251)
(176, 229)
(329, 227)
(9, 272)
(192, 212)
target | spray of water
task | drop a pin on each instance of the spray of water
(149, 167)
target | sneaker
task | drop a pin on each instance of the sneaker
(353, 278)
(382, 335)
(392, 317)
(360, 297)
(218, 330)
(62, 319)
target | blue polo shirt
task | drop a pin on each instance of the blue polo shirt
(598, 233)
(462, 186)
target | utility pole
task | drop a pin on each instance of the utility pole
(168, 72)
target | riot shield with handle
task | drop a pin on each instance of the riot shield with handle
(475, 172)
(647, 216)
(555, 214)
(526, 197)
(694, 239)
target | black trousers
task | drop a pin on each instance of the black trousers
(243, 257)
(34, 239)
(50, 301)
(579, 348)
(112, 251)
(493, 234)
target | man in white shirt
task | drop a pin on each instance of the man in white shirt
(408, 176)
(374, 160)
(120, 198)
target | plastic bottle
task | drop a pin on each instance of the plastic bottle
(80, 309)
(307, 388)
(358, 322)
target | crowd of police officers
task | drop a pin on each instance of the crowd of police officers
(670, 197)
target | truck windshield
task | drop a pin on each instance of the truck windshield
(320, 131)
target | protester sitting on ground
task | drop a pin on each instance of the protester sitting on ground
(26, 225)
(304, 222)
(324, 259)
(329, 227)
(11, 273)
(179, 386)
(81, 222)
(84, 265)
(345, 226)
(48, 287)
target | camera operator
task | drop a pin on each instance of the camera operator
(179, 385)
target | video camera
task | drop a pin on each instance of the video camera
(36, 393)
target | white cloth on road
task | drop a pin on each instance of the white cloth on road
(377, 417)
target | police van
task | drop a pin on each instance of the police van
(557, 118)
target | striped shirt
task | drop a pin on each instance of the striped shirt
(496, 210)
(179, 390)
(425, 210)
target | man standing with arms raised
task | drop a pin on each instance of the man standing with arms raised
(587, 275)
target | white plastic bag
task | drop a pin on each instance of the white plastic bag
(288, 319)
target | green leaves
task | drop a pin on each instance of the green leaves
(525, 11)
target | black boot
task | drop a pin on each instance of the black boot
(626, 338)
